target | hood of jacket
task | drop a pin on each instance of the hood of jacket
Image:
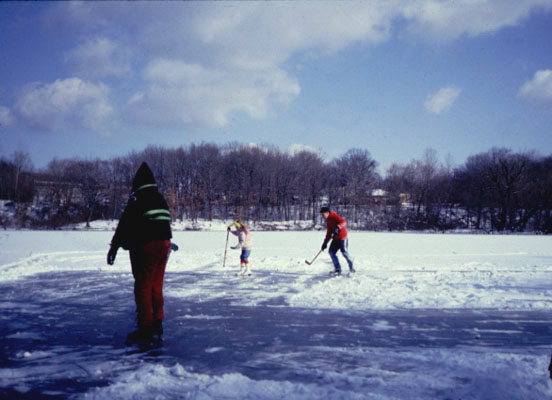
(143, 176)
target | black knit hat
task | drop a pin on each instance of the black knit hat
(324, 209)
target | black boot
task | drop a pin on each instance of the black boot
(158, 327)
(141, 335)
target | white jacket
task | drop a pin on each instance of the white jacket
(244, 239)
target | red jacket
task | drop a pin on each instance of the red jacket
(335, 221)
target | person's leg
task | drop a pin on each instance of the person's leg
(334, 248)
(142, 288)
(159, 256)
(346, 254)
(246, 270)
(148, 265)
(244, 258)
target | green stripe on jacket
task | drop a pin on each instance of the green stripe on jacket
(158, 215)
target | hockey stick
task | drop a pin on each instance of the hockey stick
(225, 248)
(317, 254)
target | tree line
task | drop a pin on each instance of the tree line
(494, 191)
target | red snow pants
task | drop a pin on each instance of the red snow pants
(148, 268)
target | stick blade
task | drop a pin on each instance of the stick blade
(307, 262)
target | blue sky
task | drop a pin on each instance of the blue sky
(395, 77)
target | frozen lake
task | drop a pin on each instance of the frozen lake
(426, 317)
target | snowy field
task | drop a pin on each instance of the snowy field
(427, 316)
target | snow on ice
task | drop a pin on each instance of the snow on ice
(427, 316)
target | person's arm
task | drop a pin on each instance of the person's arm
(326, 238)
(328, 235)
(241, 239)
(340, 223)
(122, 233)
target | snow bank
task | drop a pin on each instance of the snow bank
(391, 375)
(175, 382)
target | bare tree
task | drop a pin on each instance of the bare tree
(205, 177)
(428, 185)
(21, 163)
(310, 182)
(356, 174)
(496, 190)
(538, 198)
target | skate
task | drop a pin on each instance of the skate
(139, 337)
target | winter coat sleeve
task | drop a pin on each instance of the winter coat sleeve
(125, 228)
(341, 223)
(241, 239)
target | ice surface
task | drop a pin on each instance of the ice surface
(427, 316)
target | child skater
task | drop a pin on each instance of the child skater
(244, 241)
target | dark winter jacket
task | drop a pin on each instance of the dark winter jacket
(335, 221)
(146, 217)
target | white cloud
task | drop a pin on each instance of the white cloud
(238, 57)
(262, 35)
(297, 148)
(442, 100)
(69, 103)
(210, 60)
(178, 72)
(99, 57)
(178, 93)
(441, 21)
(203, 61)
(6, 116)
(539, 88)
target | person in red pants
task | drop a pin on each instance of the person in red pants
(144, 229)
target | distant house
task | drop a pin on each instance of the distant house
(379, 197)
(405, 199)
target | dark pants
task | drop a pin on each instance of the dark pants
(148, 267)
(342, 245)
